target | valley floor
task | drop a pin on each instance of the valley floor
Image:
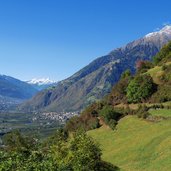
(136, 144)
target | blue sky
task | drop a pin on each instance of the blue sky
(56, 38)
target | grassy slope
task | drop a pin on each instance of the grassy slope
(156, 72)
(161, 112)
(136, 144)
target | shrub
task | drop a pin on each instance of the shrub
(163, 94)
(157, 106)
(118, 93)
(108, 113)
(111, 116)
(112, 123)
(164, 54)
(85, 121)
(93, 109)
(126, 74)
(140, 88)
(164, 67)
(143, 66)
(142, 112)
(86, 155)
(15, 141)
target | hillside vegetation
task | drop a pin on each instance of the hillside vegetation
(58, 153)
(133, 123)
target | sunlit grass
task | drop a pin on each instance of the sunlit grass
(160, 112)
(136, 144)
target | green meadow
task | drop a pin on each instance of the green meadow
(161, 112)
(136, 144)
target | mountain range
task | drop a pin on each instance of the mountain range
(96, 79)
(14, 91)
(15, 88)
(42, 83)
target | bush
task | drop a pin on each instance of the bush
(163, 94)
(85, 121)
(142, 112)
(93, 109)
(140, 88)
(164, 54)
(86, 154)
(110, 116)
(126, 74)
(143, 66)
(166, 75)
(164, 67)
(15, 141)
(118, 93)
(112, 124)
(157, 106)
(108, 113)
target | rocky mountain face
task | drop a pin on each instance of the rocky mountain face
(96, 79)
(13, 91)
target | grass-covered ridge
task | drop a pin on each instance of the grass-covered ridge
(136, 144)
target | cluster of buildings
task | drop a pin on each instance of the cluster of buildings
(60, 117)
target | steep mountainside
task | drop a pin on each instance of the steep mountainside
(13, 90)
(97, 78)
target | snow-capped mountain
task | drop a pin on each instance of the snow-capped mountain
(41, 83)
(164, 31)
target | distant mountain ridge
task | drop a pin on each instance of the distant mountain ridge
(13, 91)
(96, 79)
(41, 83)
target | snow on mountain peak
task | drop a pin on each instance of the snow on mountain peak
(41, 81)
(165, 30)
